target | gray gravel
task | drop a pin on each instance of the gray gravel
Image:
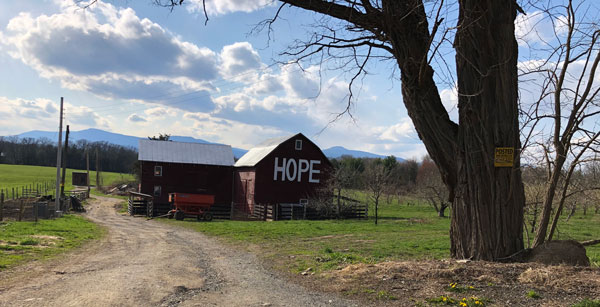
(147, 263)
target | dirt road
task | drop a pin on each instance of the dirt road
(146, 263)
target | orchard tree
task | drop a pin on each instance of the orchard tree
(430, 186)
(487, 201)
(567, 99)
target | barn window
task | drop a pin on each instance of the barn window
(158, 170)
(157, 190)
(298, 144)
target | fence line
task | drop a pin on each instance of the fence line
(31, 190)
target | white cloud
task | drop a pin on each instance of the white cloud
(239, 58)
(561, 25)
(19, 115)
(532, 28)
(399, 131)
(108, 51)
(232, 132)
(160, 112)
(220, 7)
(197, 116)
(266, 84)
(449, 99)
(136, 118)
(300, 83)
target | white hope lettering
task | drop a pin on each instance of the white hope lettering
(313, 171)
(291, 176)
(291, 170)
(279, 169)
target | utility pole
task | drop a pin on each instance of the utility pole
(87, 165)
(64, 165)
(97, 171)
(58, 156)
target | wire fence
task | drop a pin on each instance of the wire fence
(35, 201)
(27, 191)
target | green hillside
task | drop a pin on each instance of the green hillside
(17, 176)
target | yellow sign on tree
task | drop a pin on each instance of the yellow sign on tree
(504, 157)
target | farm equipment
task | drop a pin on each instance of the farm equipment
(190, 204)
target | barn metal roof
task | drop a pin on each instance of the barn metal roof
(180, 152)
(256, 154)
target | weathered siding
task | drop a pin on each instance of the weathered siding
(188, 178)
(245, 181)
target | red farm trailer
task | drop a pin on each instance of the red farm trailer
(191, 204)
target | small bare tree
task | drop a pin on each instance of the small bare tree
(377, 180)
(561, 125)
(430, 186)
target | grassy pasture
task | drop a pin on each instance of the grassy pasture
(27, 241)
(405, 232)
(18, 176)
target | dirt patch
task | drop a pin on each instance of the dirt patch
(560, 252)
(49, 238)
(408, 283)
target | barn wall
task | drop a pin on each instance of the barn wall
(188, 178)
(245, 180)
(269, 190)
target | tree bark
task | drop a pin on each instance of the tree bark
(540, 235)
(442, 210)
(487, 212)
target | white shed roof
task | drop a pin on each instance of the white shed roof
(256, 154)
(180, 152)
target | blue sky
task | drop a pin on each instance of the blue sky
(133, 68)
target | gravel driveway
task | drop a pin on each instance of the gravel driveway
(146, 263)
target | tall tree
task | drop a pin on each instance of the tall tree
(487, 210)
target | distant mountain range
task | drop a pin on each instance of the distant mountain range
(97, 135)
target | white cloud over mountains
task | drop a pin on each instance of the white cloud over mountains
(167, 83)
(19, 115)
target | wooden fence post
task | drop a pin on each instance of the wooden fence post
(35, 208)
(1, 206)
(21, 209)
(304, 217)
(231, 212)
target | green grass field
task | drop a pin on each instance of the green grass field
(404, 232)
(17, 176)
(27, 241)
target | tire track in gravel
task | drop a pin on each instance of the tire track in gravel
(147, 263)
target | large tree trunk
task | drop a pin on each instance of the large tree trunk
(487, 212)
(487, 209)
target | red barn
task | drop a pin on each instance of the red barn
(177, 167)
(288, 170)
